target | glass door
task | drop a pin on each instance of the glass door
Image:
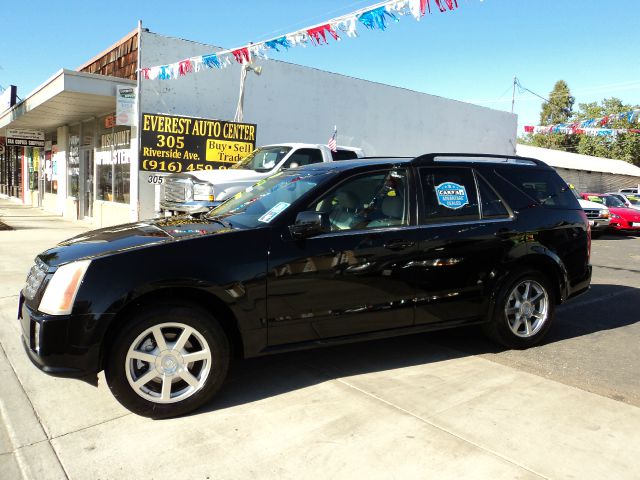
(86, 182)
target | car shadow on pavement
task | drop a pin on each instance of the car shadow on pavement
(616, 236)
(256, 379)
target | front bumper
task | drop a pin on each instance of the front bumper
(621, 224)
(599, 223)
(46, 341)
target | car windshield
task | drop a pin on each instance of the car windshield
(264, 201)
(610, 201)
(633, 200)
(575, 192)
(262, 159)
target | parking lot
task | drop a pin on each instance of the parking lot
(447, 404)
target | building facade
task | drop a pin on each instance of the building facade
(88, 164)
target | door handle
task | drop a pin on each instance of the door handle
(398, 244)
(436, 262)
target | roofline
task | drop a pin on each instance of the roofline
(129, 35)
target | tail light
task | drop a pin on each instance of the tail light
(586, 221)
(588, 243)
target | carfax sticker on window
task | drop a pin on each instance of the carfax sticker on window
(452, 195)
(273, 212)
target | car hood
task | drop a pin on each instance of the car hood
(629, 214)
(592, 205)
(217, 177)
(119, 238)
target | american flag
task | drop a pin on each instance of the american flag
(333, 142)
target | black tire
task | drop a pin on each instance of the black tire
(502, 326)
(193, 383)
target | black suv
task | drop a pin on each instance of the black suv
(318, 255)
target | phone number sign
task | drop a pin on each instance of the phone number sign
(171, 143)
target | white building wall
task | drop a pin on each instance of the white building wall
(292, 103)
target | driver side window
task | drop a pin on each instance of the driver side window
(304, 156)
(371, 200)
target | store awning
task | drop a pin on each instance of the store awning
(67, 97)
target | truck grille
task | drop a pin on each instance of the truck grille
(34, 280)
(592, 213)
(173, 192)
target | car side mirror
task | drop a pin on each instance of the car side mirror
(309, 223)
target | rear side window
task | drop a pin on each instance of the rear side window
(344, 155)
(449, 195)
(543, 186)
(304, 156)
(492, 206)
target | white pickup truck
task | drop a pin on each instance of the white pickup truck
(598, 214)
(201, 190)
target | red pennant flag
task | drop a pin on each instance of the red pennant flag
(185, 67)
(450, 3)
(319, 34)
(242, 55)
(145, 73)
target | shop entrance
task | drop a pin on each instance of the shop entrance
(85, 194)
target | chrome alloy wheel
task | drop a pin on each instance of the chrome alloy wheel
(168, 363)
(527, 308)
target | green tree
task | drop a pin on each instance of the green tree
(624, 146)
(560, 105)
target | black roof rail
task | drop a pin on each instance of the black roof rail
(431, 158)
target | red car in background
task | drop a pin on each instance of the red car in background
(622, 218)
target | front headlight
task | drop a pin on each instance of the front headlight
(61, 291)
(604, 213)
(203, 191)
(613, 215)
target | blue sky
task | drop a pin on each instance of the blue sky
(470, 54)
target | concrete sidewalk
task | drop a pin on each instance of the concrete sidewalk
(398, 408)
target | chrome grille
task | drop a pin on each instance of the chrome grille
(35, 278)
(592, 213)
(173, 191)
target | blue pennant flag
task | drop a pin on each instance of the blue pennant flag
(282, 41)
(376, 18)
(164, 73)
(211, 61)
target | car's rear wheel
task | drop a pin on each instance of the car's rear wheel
(524, 310)
(168, 361)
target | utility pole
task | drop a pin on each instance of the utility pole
(513, 96)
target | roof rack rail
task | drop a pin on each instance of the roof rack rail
(431, 158)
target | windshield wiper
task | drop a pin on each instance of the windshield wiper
(224, 223)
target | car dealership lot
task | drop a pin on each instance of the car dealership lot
(447, 403)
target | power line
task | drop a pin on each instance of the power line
(521, 88)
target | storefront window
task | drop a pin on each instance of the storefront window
(73, 161)
(50, 170)
(33, 161)
(113, 161)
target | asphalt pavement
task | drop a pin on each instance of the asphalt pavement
(444, 404)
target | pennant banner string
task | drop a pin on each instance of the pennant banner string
(592, 126)
(377, 16)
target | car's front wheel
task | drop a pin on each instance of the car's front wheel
(168, 361)
(524, 310)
